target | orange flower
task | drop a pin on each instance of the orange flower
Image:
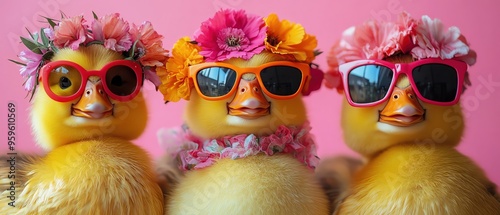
(175, 82)
(288, 38)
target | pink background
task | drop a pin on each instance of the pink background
(478, 20)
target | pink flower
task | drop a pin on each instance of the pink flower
(316, 81)
(150, 74)
(30, 83)
(401, 34)
(434, 41)
(367, 41)
(425, 38)
(470, 57)
(231, 34)
(32, 61)
(71, 32)
(150, 43)
(113, 31)
(49, 32)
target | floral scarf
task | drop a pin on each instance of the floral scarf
(193, 152)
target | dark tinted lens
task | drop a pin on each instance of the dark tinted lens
(369, 83)
(216, 81)
(281, 80)
(121, 80)
(436, 82)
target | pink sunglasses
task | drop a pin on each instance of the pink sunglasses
(371, 82)
(64, 81)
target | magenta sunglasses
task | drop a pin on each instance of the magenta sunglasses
(434, 80)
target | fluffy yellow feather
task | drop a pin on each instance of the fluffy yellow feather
(92, 167)
(413, 169)
(277, 184)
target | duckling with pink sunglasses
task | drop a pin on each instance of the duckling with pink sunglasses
(402, 83)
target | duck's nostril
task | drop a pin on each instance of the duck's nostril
(395, 96)
(243, 90)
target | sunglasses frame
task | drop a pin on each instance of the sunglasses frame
(85, 74)
(303, 67)
(407, 69)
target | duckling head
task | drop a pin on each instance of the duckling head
(248, 111)
(402, 119)
(93, 114)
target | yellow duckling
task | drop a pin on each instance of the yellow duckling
(92, 167)
(238, 142)
(86, 110)
(407, 122)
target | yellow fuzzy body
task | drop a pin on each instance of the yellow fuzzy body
(420, 179)
(413, 169)
(261, 184)
(91, 166)
(105, 176)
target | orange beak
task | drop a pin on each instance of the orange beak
(403, 108)
(94, 103)
(249, 102)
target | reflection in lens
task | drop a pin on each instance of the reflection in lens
(64, 80)
(281, 80)
(369, 83)
(121, 80)
(436, 82)
(216, 81)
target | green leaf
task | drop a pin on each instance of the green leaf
(45, 39)
(317, 52)
(33, 36)
(17, 62)
(34, 47)
(95, 42)
(53, 47)
(63, 15)
(29, 32)
(95, 15)
(132, 50)
(48, 55)
(33, 91)
(50, 21)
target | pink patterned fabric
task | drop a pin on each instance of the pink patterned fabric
(193, 152)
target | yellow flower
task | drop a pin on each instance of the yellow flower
(288, 38)
(175, 81)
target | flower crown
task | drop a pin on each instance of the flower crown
(235, 34)
(425, 38)
(138, 43)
